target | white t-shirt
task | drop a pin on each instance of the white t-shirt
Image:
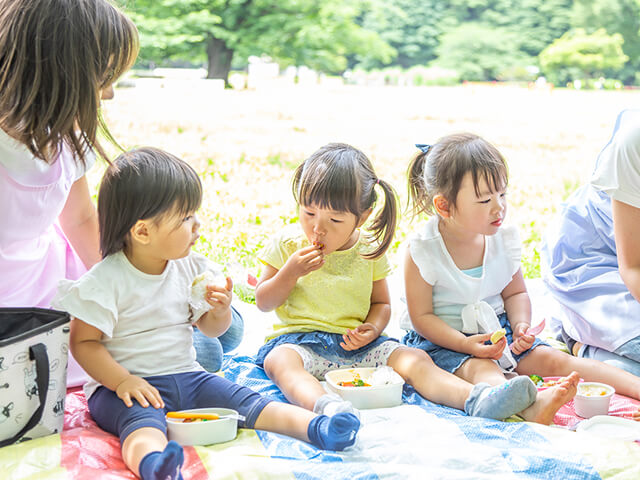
(146, 319)
(453, 290)
(617, 170)
(26, 169)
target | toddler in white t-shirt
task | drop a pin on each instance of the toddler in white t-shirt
(132, 322)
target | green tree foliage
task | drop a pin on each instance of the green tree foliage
(615, 16)
(317, 34)
(479, 52)
(411, 27)
(578, 54)
(416, 28)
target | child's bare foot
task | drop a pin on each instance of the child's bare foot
(550, 400)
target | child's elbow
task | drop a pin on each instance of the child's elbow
(262, 303)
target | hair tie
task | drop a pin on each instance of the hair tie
(423, 147)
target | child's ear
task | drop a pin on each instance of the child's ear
(140, 232)
(441, 205)
(364, 217)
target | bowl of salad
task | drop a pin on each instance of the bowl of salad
(367, 387)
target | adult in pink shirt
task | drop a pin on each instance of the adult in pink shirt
(58, 59)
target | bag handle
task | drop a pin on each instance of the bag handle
(38, 353)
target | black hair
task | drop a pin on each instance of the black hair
(145, 183)
(440, 170)
(341, 177)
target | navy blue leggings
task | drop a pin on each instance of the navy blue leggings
(181, 391)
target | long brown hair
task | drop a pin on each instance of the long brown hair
(440, 168)
(55, 58)
(341, 177)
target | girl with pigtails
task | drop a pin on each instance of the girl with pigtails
(326, 279)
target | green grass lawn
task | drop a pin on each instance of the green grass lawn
(245, 145)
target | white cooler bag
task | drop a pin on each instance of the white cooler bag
(34, 345)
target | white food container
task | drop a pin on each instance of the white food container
(589, 403)
(203, 433)
(611, 427)
(375, 396)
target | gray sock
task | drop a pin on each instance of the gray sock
(330, 403)
(501, 401)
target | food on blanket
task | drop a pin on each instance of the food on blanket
(193, 416)
(549, 382)
(367, 387)
(356, 382)
(593, 399)
(537, 380)
(592, 390)
(537, 329)
(202, 426)
(497, 335)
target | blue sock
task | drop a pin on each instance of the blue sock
(333, 433)
(162, 465)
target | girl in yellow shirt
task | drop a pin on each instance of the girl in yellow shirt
(327, 282)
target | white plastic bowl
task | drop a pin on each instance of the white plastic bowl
(375, 396)
(611, 427)
(588, 402)
(203, 433)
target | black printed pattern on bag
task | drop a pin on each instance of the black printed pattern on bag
(5, 412)
(30, 385)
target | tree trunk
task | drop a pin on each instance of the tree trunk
(219, 58)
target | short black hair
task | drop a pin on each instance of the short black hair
(143, 183)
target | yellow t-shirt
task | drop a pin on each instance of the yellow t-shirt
(335, 298)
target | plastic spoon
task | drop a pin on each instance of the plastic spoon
(532, 331)
(537, 329)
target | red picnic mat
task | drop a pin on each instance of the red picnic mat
(90, 453)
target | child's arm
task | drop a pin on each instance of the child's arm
(518, 307)
(96, 360)
(217, 320)
(626, 229)
(376, 321)
(275, 285)
(419, 296)
(79, 221)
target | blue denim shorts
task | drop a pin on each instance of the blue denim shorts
(630, 349)
(451, 360)
(326, 345)
(181, 391)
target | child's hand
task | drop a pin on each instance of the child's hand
(138, 388)
(521, 342)
(304, 261)
(360, 336)
(219, 297)
(475, 345)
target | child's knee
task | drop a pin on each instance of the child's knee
(550, 359)
(281, 359)
(408, 361)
